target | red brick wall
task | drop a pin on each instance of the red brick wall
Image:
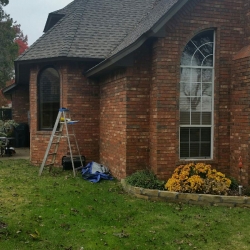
(225, 17)
(240, 118)
(81, 97)
(137, 110)
(124, 119)
(246, 19)
(113, 122)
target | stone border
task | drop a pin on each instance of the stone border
(196, 199)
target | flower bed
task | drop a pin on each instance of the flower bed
(189, 198)
(194, 183)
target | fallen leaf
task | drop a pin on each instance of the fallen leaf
(121, 235)
(35, 235)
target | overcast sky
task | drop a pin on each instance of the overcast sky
(32, 15)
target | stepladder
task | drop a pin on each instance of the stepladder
(63, 128)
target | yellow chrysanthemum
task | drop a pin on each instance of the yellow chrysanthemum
(197, 178)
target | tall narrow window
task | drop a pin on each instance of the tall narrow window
(196, 97)
(48, 98)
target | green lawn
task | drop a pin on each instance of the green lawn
(57, 211)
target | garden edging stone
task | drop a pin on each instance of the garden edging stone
(198, 199)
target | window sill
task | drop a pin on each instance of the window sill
(196, 159)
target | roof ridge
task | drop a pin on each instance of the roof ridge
(136, 25)
(76, 29)
(157, 4)
(55, 12)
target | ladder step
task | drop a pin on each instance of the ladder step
(52, 154)
(65, 136)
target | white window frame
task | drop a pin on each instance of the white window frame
(212, 105)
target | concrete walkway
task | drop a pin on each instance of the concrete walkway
(21, 153)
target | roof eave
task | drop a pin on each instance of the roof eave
(56, 59)
(8, 89)
(153, 32)
(27, 63)
(101, 67)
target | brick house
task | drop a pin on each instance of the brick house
(154, 83)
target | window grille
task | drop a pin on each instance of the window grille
(196, 97)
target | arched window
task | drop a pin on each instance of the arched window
(196, 97)
(48, 98)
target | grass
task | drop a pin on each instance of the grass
(57, 211)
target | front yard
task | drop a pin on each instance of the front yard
(57, 211)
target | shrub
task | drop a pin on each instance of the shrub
(7, 127)
(198, 178)
(234, 183)
(145, 179)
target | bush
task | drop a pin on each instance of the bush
(198, 178)
(7, 127)
(234, 183)
(145, 179)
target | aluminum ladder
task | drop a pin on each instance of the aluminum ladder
(63, 120)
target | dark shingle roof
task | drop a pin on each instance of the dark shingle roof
(151, 19)
(90, 29)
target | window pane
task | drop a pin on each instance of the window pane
(205, 150)
(184, 150)
(188, 53)
(205, 134)
(197, 59)
(196, 75)
(185, 118)
(49, 113)
(194, 134)
(208, 61)
(195, 89)
(185, 74)
(207, 89)
(194, 150)
(207, 75)
(196, 103)
(184, 103)
(195, 118)
(48, 98)
(185, 89)
(206, 118)
(207, 48)
(184, 134)
(206, 104)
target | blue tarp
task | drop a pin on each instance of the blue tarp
(94, 172)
